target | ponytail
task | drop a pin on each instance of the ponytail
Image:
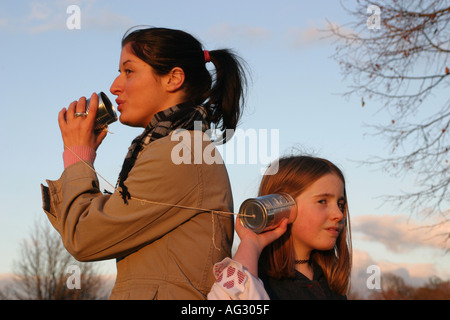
(227, 96)
(222, 93)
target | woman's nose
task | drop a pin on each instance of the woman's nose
(116, 86)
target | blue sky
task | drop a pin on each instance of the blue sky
(295, 89)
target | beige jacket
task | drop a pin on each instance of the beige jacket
(162, 252)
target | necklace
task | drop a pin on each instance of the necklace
(301, 261)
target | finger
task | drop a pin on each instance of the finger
(81, 105)
(100, 136)
(71, 110)
(238, 226)
(93, 106)
(62, 120)
(244, 232)
(277, 232)
(92, 113)
(270, 236)
(93, 101)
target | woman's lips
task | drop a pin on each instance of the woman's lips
(119, 104)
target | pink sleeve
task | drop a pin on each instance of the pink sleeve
(84, 153)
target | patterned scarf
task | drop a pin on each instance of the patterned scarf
(181, 116)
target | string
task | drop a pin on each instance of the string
(156, 202)
(162, 203)
(87, 164)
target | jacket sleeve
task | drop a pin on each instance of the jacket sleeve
(234, 282)
(94, 226)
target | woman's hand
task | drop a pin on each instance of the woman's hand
(252, 244)
(79, 130)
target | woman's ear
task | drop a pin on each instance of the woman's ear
(175, 79)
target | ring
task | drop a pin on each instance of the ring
(80, 114)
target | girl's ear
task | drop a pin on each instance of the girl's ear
(174, 79)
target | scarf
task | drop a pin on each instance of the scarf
(182, 116)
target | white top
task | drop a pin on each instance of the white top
(235, 282)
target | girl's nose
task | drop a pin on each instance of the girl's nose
(337, 213)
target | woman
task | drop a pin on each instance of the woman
(164, 248)
(308, 259)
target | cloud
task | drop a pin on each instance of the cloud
(105, 19)
(317, 33)
(50, 16)
(298, 37)
(249, 34)
(399, 233)
(37, 17)
(292, 37)
(414, 274)
(40, 11)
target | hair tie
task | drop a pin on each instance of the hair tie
(207, 57)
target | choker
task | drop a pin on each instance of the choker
(301, 261)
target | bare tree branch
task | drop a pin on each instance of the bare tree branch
(404, 65)
(41, 272)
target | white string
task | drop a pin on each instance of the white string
(162, 203)
(156, 202)
(87, 164)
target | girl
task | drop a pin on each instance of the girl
(164, 248)
(308, 259)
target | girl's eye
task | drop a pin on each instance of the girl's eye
(341, 205)
(127, 71)
(323, 201)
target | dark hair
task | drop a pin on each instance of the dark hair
(295, 174)
(222, 96)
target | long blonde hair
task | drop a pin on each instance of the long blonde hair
(294, 175)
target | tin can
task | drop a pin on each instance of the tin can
(106, 113)
(266, 212)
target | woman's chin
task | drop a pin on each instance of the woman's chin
(125, 121)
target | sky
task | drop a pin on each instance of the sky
(294, 99)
